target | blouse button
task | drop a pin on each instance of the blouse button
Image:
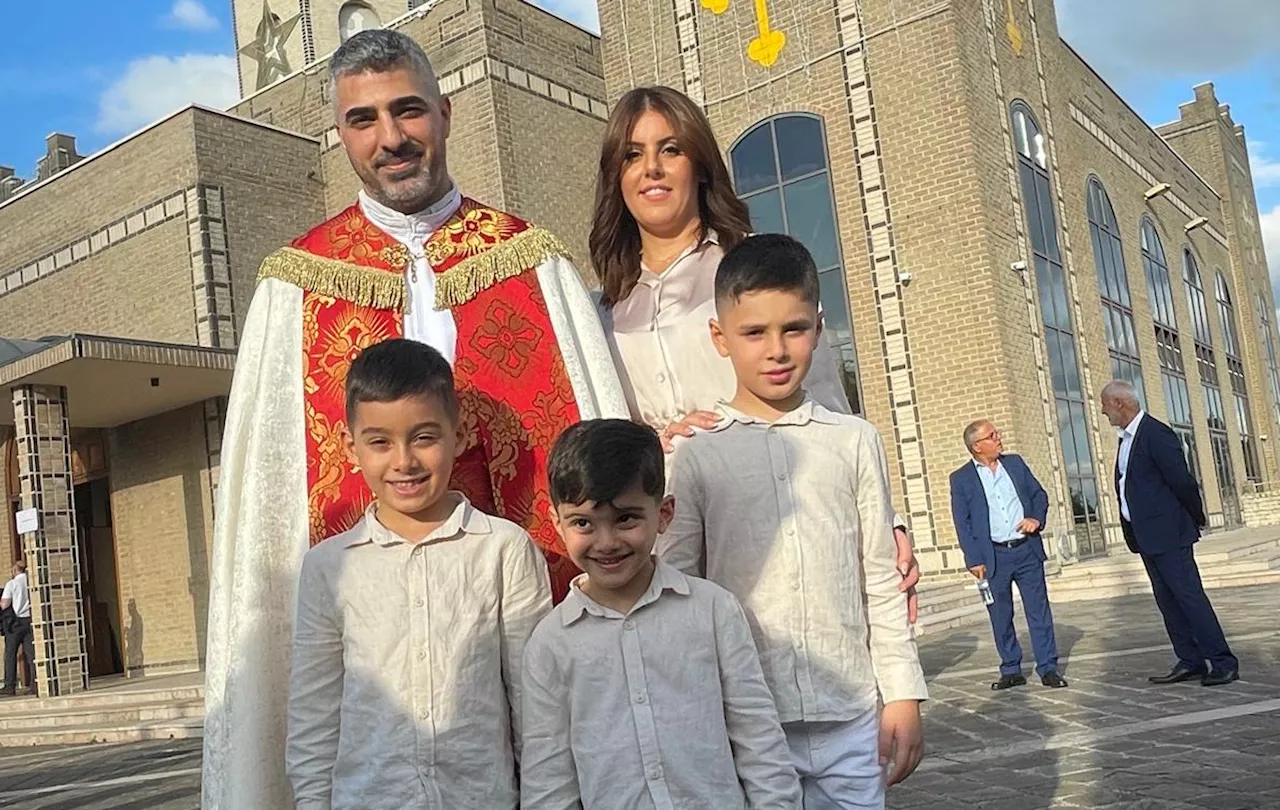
(662, 377)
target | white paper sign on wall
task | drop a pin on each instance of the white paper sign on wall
(28, 520)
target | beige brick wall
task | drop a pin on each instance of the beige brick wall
(162, 515)
(271, 186)
(1261, 508)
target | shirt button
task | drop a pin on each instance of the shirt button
(661, 377)
(417, 602)
(654, 773)
(782, 476)
(639, 698)
(422, 714)
(795, 586)
(422, 654)
(628, 625)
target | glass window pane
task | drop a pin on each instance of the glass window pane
(1084, 457)
(1067, 345)
(811, 219)
(1069, 460)
(835, 307)
(1047, 219)
(1035, 228)
(1122, 277)
(1056, 370)
(766, 212)
(801, 149)
(753, 166)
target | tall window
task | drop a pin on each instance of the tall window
(1113, 284)
(1060, 341)
(780, 171)
(1264, 307)
(1207, 364)
(1173, 373)
(1235, 371)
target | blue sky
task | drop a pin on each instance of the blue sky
(112, 67)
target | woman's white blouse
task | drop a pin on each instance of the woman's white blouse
(662, 345)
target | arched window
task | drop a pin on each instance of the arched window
(1173, 372)
(1059, 335)
(1113, 284)
(354, 18)
(1207, 364)
(1235, 371)
(780, 170)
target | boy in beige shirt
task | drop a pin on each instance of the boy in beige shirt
(642, 688)
(786, 504)
(405, 691)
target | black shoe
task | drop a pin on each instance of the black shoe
(32, 692)
(1220, 678)
(1008, 682)
(8, 691)
(1053, 680)
(1179, 674)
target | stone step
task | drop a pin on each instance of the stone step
(1261, 549)
(180, 729)
(1256, 563)
(972, 612)
(104, 699)
(941, 600)
(94, 717)
(1072, 592)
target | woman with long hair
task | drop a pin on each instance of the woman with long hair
(665, 214)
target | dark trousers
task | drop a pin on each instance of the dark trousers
(1188, 617)
(21, 635)
(1021, 565)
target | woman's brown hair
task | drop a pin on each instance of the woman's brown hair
(615, 236)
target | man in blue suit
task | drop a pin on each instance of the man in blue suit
(999, 509)
(1161, 515)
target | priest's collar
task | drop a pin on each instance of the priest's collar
(412, 229)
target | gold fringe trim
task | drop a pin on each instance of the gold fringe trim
(474, 274)
(367, 286)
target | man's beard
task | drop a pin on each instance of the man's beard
(409, 194)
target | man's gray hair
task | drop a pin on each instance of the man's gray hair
(380, 50)
(1120, 391)
(971, 432)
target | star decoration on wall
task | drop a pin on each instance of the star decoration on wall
(267, 49)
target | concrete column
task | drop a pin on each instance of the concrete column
(53, 558)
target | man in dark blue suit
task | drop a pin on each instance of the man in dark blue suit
(1162, 515)
(999, 509)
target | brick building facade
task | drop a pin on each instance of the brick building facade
(999, 235)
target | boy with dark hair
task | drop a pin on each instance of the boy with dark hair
(410, 629)
(642, 688)
(786, 504)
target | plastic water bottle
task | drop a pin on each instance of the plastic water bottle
(984, 588)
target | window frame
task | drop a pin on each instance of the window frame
(846, 353)
(1114, 273)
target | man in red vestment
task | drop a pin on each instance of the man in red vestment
(412, 258)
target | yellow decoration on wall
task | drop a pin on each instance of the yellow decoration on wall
(768, 43)
(764, 49)
(1012, 29)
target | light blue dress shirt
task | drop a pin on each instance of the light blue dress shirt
(1004, 507)
(1122, 460)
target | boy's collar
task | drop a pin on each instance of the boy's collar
(808, 411)
(665, 578)
(464, 519)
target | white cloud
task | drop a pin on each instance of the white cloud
(1264, 168)
(155, 86)
(191, 15)
(1138, 39)
(582, 12)
(1269, 224)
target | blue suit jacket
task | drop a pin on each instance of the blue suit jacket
(973, 519)
(1165, 511)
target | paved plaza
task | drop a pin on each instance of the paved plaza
(1109, 741)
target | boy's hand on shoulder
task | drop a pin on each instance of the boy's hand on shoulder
(901, 738)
